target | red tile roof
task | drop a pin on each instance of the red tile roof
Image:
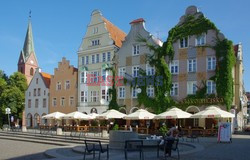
(116, 34)
(137, 20)
(46, 79)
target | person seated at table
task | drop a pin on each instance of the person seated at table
(173, 131)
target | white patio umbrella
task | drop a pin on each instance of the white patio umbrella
(213, 112)
(111, 114)
(93, 115)
(140, 114)
(54, 115)
(76, 115)
(174, 113)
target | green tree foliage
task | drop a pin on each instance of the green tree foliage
(12, 94)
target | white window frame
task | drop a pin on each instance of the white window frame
(62, 101)
(135, 50)
(84, 77)
(83, 60)
(193, 63)
(211, 87)
(198, 42)
(121, 93)
(108, 56)
(54, 102)
(93, 59)
(71, 101)
(173, 89)
(134, 92)
(67, 85)
(58, 86)
(191, 87)
(87, 59)
(94, 96)
(212, 60)
(84, 96)
(150, 70)
(135, 68)
(97, 58)
(104, 57)
(150, 91)
(185, 42)
(122, 71)
(174, 64)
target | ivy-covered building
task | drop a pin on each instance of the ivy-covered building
(206, 68)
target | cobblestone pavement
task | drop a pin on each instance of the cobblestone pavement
(18, 150)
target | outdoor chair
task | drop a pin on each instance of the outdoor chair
(91, 146)
(175, 147)
(194, 135)
(167, 146)
(134, 146)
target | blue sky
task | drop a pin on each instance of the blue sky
(59, 25)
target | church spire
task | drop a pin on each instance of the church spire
(28, 46)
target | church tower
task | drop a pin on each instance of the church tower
(27, 62)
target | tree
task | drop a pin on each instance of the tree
(18, 80)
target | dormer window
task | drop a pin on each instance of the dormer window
(96, 42)
(200, 40)
(184, 42)
(136, 50)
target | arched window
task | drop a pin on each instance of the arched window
(31, 71)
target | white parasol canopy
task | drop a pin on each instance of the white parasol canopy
(174, 113)
(54, 115)
(140, 114)
(213, 112)
(76, 115)
(111, 114)
(93, 115)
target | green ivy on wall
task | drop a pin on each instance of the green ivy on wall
(192, 25)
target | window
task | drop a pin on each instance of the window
(150, 70)
(29, 94)
(94, 76)
(174, 90)
(54, 102)
(67, 85)
(94, 96)
(62, 101)
(95, 30)
(150, 91)
(200, 40)
(44, 103)
(87, 59)
(136, 50)
(104, 74)
(191, 87)
(84, 77)
(135, 71)
(58, 86)
(184, 42)
(211, 87)
(34, 93)
(37, 81)
(83, 60)
(105, 95)
(121, 92)
(191, 65)
(108, 56)
(211, 63)
(103, 57)
(31, 71)
(29, 103)
(174, 67)
(93, 59)
(122, 71)
(95, 42)
(97, 58)
(84, 96)
(44, 92)
(36, 103)
(71, 101)
(39, 91)
(134, 92)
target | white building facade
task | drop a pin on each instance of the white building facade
(37, 99)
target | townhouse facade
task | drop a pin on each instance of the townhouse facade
(63, 88)
(132, 57)
(95, 55)
(37, 99)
